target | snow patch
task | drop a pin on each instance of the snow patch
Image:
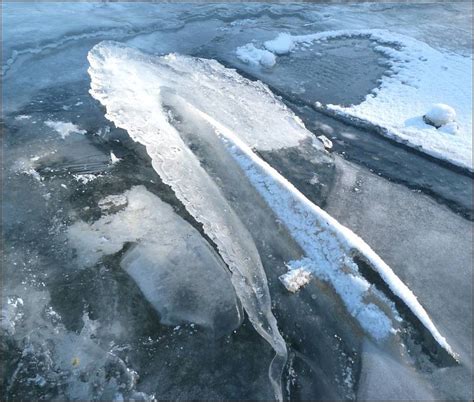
(64, 129)
(295, 279)
(418, 75)
(22, 117)
(113, 158)
(282, 44)
(85, 178)
(249, 54)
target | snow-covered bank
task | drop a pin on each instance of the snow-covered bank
(329, 247)
(418, 76)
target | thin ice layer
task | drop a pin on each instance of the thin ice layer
(130, 85)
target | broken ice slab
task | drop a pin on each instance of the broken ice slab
(178, 272)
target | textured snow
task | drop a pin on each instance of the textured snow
(251, 55)
(294, 279)
(420, 75)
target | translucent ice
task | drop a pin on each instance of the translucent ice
(177, 271)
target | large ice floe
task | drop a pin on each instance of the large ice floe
(418, 77)
(147, 95)
(175, 268)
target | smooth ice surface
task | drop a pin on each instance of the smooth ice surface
(383, 378)
(420, 75)
(133, 86)
(177, 271)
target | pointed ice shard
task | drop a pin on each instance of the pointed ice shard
(128, 84)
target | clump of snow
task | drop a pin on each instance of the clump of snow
(249, 54)
(282, 44)
(85, 178)
(28, 167)
(326, 141)
(64, 129)
(114, 159)
(22, 117)
(33, 173)
(440, 115)
(418, 74)
(294, 279)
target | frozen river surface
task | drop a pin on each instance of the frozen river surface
(236, 201)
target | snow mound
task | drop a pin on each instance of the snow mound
(295, 279)
(449, 128)
(249, 54)
(282, 44)
(440, 115)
